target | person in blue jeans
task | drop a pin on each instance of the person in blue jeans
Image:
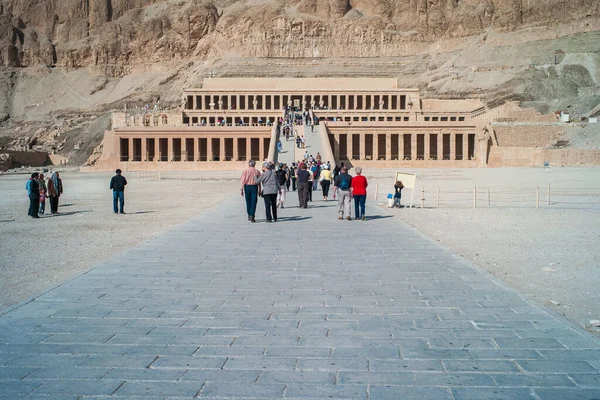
(117, 184)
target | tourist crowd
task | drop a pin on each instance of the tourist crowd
(38, 190)
(306, 175)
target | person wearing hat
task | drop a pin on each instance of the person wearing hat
(270, 187)
(325, 180)
(117, 184)
(249, 189)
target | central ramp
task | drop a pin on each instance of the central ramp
(308, 307)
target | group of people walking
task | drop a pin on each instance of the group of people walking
(38, 190)
(273, 183)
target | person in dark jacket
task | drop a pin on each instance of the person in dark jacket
(55, 190)
(117, 184)
(33, 190)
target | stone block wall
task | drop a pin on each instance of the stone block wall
(528, 136)
(536, 157)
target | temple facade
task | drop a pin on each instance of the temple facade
(231, 120)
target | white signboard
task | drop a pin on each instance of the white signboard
(409, 181)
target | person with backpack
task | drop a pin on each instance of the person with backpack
(341, 189)
(282, 178)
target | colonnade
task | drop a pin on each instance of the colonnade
(403, 146)
(335, 101)
(192, 149)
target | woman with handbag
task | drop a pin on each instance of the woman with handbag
(269, 189)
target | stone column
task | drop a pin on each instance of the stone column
(336, 146)
(373, 101)
(156, 149)
(440, 146)
(235, 149)
(209, 154)
(362, 147)
(413, 146)
(452, 146)
(144, 149)
(375, 146)
(194, 102)
(465, 146)
(130, 154)
(248, 149)
(349, 148)
(221, 149)
(183, 149)
(170, 149)
(427, 144)
(401, 147)
(261, 151)
(388, 146)
(196, 150)
(237, 103)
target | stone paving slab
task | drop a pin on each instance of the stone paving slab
(307, 308)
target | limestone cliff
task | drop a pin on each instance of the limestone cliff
(78, 33)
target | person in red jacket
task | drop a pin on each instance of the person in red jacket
(358, 189)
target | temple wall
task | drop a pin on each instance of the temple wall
(527, 135)
(536, 157)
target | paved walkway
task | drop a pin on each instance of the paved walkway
(309, 307)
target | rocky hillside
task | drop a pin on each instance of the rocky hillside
(79, 33)
(65, 60)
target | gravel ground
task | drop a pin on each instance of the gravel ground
(551, 254)
(38, 254)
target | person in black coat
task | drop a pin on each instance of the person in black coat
(117, 184)
(33, 190)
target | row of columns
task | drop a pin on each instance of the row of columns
(262, 150)
(252, 102)
(413, 138)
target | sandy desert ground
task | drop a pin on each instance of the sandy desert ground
(550, 254)
(38, 254)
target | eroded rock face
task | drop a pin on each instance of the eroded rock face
(80, 33)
